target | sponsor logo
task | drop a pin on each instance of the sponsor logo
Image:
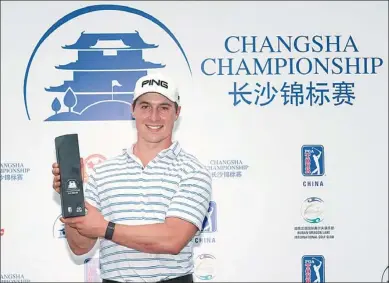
(205, 267)
(312, 211)
(312, 160)
(313, 268)
(209, 226)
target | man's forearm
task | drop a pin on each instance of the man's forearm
(152, 238)
(78, 243)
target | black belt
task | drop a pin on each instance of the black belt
(182, 279)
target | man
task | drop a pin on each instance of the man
(144, 206)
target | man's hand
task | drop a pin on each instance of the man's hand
(57, 177)
(92, 225)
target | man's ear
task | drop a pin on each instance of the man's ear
(133, 112)
(178, 112)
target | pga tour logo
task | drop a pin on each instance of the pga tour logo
(312, 160)
(313, 268)
(210, 223)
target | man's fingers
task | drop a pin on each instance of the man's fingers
(57, 177)
(73, 226)
(72, 221)
(56, 185)
(88, 206)
(68, 221)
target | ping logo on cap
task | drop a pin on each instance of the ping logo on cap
(155, 82)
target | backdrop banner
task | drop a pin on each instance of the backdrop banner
(286, 103)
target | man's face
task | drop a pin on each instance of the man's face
(155, 116)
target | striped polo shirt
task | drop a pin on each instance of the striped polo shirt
(173, 184)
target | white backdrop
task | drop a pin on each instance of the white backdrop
(261, 192)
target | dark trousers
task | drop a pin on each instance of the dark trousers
(183, 279)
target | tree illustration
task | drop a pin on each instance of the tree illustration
(56, 105)
(70, 100)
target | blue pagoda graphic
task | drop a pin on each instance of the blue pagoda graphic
(104, 77)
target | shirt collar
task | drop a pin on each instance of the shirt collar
(172, 151)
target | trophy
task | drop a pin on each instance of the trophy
(68, 159)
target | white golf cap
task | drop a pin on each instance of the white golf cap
(157, 83)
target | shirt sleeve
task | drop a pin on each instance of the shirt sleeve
(191, 202)
(91, 193)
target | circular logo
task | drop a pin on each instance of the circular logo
(59, 229)
(87, 70)
(205, 267)
(312, 210)
(90, 162)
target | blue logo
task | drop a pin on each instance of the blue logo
(210, 220)
(313, 269)
(96, 72)
(312, 160)
(59, 229)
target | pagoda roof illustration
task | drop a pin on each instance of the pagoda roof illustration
(110, 66)
(117, 41)
(110, 44)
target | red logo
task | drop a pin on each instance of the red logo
(92, 270)
(307, 161)
(90, 162)
(2, 231)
